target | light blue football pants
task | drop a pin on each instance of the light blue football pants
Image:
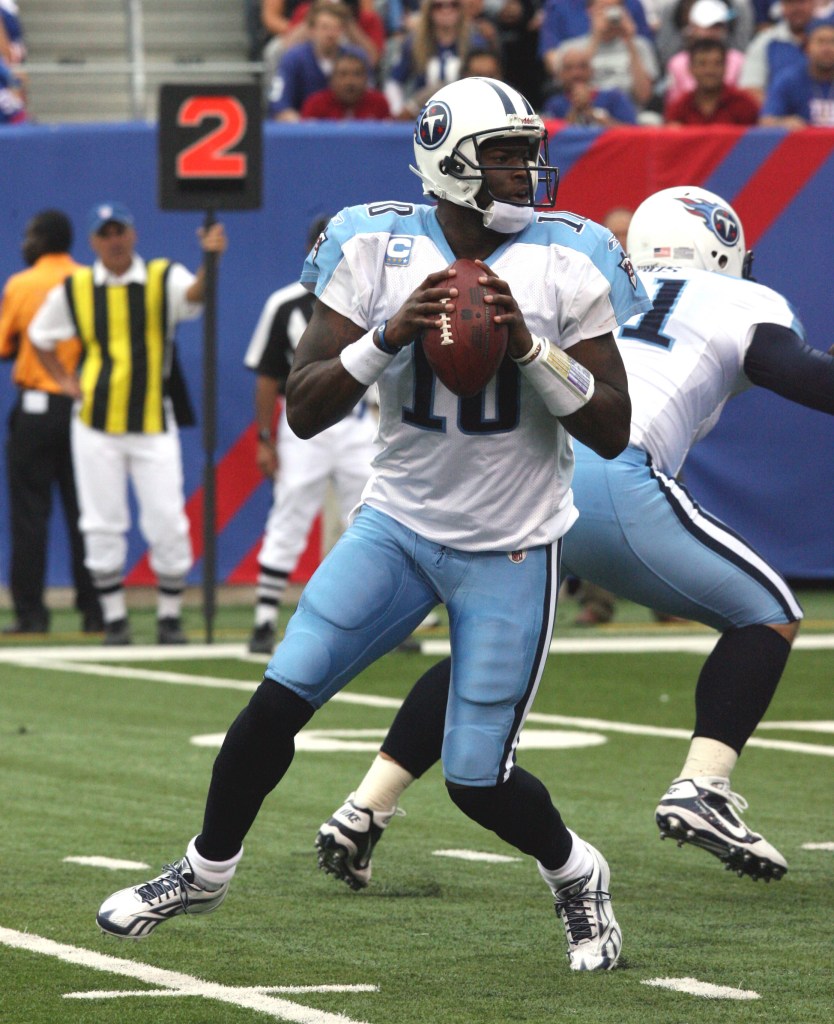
(377, 584)
(641, 535)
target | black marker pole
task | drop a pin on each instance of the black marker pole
(209, 435)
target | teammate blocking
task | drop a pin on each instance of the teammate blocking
(710, 334)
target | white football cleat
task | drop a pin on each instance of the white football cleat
(702, 812)
(133, 913)
(594, 937)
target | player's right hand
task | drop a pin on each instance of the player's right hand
(421, 309)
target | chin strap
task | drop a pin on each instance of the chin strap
(506, 218)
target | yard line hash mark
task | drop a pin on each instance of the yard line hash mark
(107, 862)
(693, 987)
(488, 858)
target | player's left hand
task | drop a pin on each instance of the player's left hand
(520, 341)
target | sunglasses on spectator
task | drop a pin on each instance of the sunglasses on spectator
(438, 5)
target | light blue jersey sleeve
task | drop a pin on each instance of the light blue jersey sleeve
(326, 254)
(394, 224)
(627, 295)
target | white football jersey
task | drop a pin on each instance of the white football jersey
(491, 472)
(685, 357)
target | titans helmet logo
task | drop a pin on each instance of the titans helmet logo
(433, 124)
(718, 219)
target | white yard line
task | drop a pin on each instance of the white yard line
(700, 644)
(93, 661)
(173, 983)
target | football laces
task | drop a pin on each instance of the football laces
(446, 327)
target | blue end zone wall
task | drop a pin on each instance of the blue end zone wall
(767, 468)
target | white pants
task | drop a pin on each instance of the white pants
(341, 454)
(103, 465)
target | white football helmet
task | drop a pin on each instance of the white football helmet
(454, 124)
(688, 226)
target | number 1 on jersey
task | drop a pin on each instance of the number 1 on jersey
(649, 327)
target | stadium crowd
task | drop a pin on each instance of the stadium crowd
(590, 62)
(599, 63)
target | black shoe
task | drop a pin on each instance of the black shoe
(169, 631)
(92, 621)
(35, 624)
(117, 633)
(262, 640)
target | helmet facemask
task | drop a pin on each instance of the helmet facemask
(470, 158)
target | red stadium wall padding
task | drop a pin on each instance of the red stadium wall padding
(620, 168)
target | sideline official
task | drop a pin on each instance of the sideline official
(125, 430)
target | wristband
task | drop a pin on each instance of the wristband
(364, 360)
(266, 436)
(380, 340)
(563, 384)
(534, 353)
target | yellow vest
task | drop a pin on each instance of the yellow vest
(127, 357)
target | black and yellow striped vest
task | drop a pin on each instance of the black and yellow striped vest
(127, 358)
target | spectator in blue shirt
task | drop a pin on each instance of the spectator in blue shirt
(12, 44)
(804, 95)
(777, 48)
(620, 56)
(12, 105)
(567, 19)
(430, 55)
(306, 67)
(579, 102)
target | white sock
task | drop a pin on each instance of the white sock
(212, 873)
(168, 606)
(266, 615)
(579, 863)
(113, 605)
(708, 757)
(383, 785)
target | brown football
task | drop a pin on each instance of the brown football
(467, 348)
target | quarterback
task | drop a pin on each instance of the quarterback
(711, 334)
(468, 498)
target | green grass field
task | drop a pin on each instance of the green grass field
(98, 759)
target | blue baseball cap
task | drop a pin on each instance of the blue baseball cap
(104, 213)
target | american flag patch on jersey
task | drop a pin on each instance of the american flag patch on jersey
(661, 251)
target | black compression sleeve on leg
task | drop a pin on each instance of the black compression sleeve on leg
(255, 755)
(737, 683)
(521, 813)
(415, 738)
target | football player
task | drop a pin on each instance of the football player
(468, 500)
(710, 335)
